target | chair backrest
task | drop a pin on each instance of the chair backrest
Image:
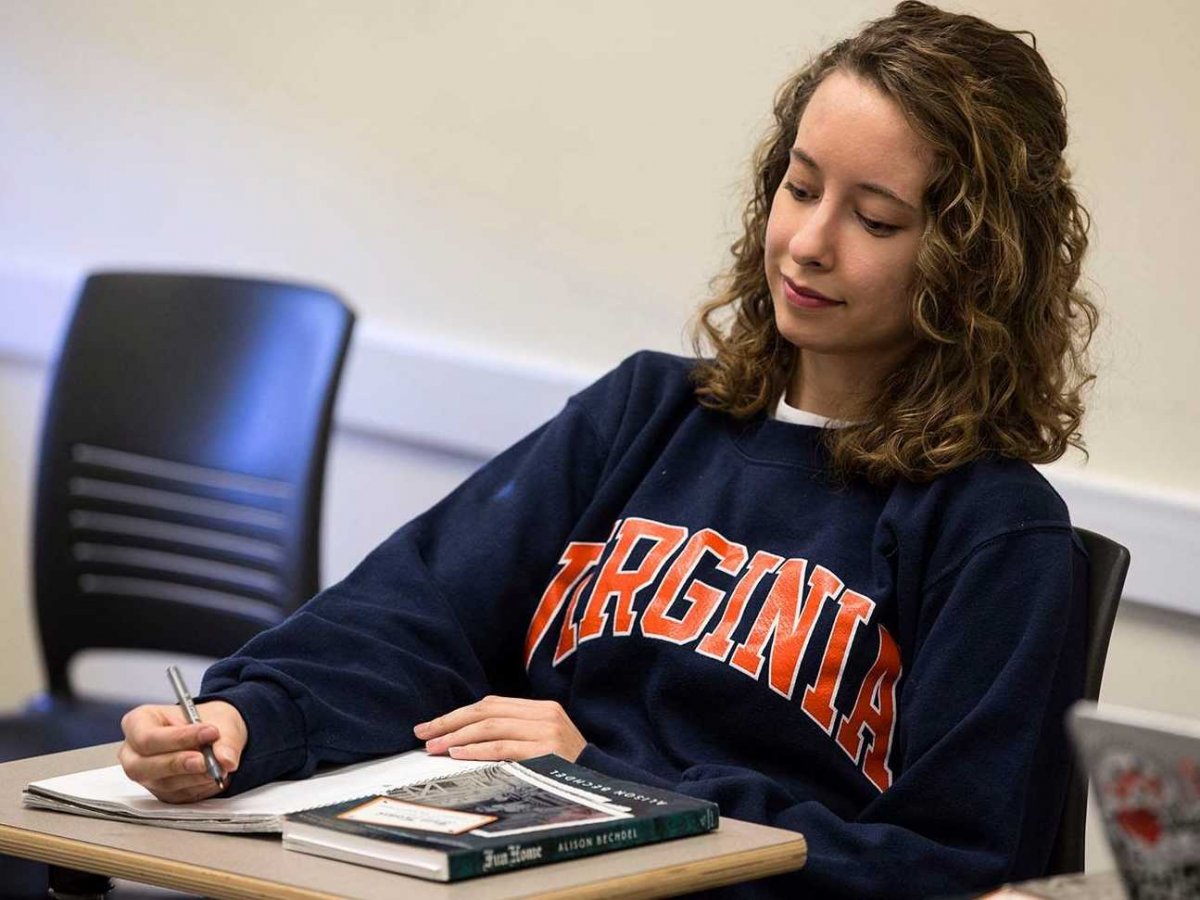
(1108, 563)
(182, 463)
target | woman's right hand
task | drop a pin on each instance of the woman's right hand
(161, 750)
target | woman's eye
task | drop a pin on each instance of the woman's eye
(797, 192)
(878, 228)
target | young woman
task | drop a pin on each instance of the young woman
(812, 577)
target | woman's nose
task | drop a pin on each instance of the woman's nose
(812, 243)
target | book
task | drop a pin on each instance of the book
(107, 793)
(496, 818)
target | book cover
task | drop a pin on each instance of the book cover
(496, 818)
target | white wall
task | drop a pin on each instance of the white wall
(546, 181)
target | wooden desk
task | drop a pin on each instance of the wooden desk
(257, 866)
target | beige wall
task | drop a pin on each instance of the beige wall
(558, 180)
(21, 391)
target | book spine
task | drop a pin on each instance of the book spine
(533, 850)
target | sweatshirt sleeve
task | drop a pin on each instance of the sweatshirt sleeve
(433, 619)
(981, 748)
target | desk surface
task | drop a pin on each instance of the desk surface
(245, 866)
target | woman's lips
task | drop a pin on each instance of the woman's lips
(805, 297)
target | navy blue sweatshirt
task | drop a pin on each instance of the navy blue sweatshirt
(882, 669)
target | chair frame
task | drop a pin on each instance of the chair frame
(1108, 564)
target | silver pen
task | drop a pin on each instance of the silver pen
(189, 710)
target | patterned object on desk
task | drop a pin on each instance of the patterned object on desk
(1152, 815)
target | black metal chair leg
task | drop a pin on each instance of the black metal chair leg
(71, 884)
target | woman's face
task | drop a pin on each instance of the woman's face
(845, 224)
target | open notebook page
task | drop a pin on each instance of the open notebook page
(107, 793)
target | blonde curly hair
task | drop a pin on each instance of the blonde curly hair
(1002, 328)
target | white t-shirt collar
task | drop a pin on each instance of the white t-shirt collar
(792, 415)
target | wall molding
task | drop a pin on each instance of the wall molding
(429, 391)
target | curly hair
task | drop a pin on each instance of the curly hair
(1001, 328)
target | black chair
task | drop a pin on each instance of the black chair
(180, 478)
(1108, 563)
(179, 484)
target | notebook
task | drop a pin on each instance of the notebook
(108, 794)
(1145, 770)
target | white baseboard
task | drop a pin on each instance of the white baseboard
(462, 399)
(473, 402)
(1161, 530)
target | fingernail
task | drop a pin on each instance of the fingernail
(455, 751)
(194, 764)
(421, 730)
(208, 733)
(436, 745)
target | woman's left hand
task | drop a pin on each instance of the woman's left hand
(503, 728)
